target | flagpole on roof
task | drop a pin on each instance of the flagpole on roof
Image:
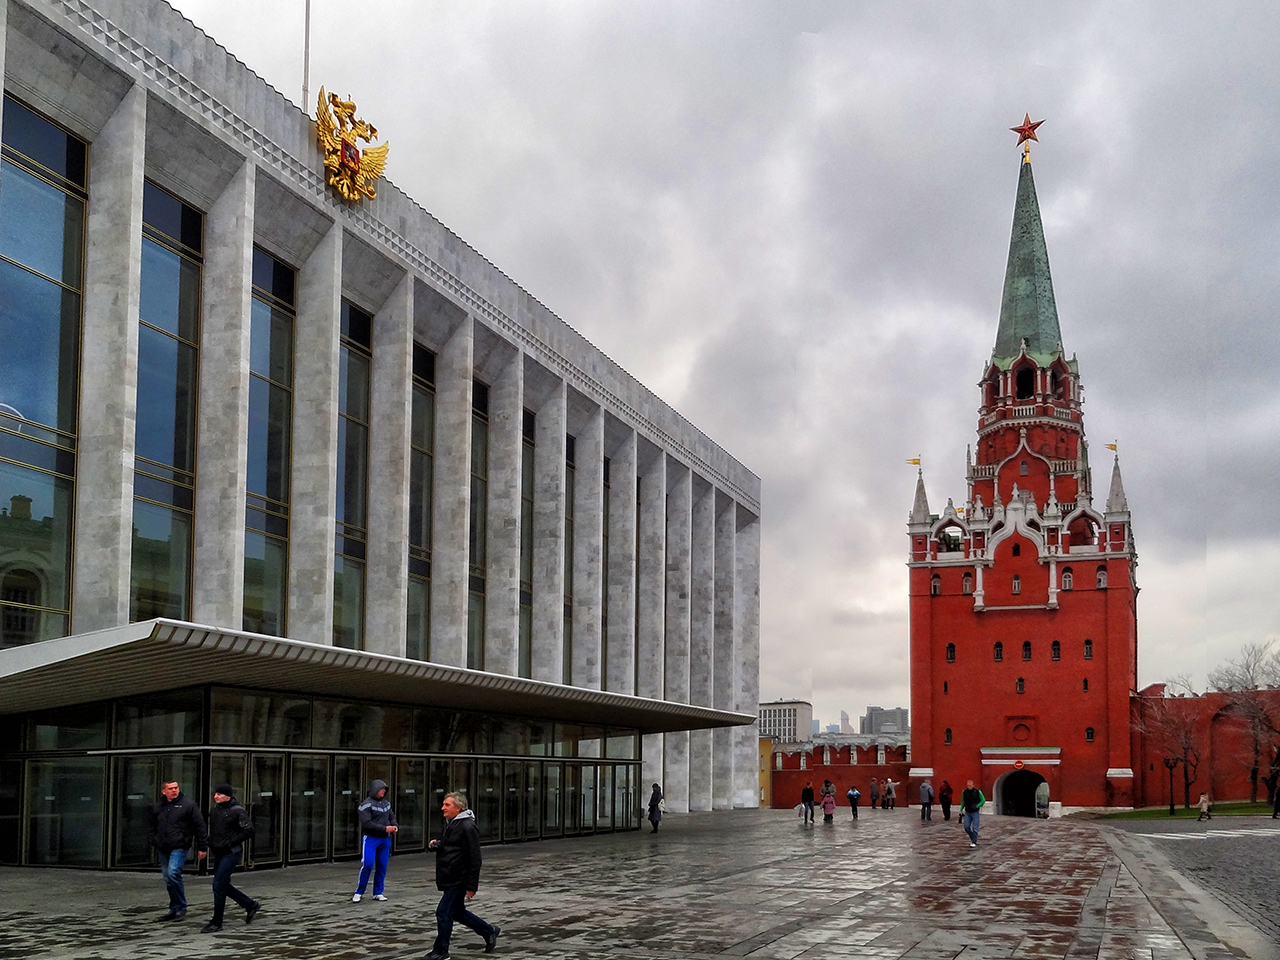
(306, 62)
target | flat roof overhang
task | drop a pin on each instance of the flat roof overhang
(157, 655)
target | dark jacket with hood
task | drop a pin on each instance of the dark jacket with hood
(229, 826)
(173, 824)
(458, 853)
(376, 814)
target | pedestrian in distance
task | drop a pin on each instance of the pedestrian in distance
(1204, 808)
(458, 876)
(874, 791)
(377, 827)
(890, 794)
(827, 788)
(944, 797)
(657, 807)
(828, 808)
(926, 801)
(806, 801)
(174, 822)
(1275, 809)
(229, 828)
(971, 801)
(854, 796)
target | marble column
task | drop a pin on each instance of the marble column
(746, 739)
(676, 667)
(588, 536)
(387, 566)
(313, 485)
(451, 497)
(550, 424)
(701, 636)
(223, 409)
(109, 370)
(651, 586)
(620, 659)
(724, 653)
(502, 580)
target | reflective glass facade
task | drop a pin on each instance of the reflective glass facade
(421, 445)
(352, 472)
(301, 764)
(478, 525)
(43, 181)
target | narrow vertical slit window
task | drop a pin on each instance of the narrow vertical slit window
(355, 363)
(567, 661)
(525, 652)
(421, 446)
(478, 524)
(266, 539)
(604, 579)
(43, 183)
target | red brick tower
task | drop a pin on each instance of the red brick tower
(1023, 603)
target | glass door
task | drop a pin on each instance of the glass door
(513, 797)
(488, 800)
(441, 783)
(552, 800)
(622, 815)
(266, 771)
(604, 797)
(308, 808)
(348, 792)
(411, 800)
(572, 799)
(588, 797)
(532, 799)
(136, 784)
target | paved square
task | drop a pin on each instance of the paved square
(741, 884)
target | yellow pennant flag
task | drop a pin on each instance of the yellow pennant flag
(1111, 446)
(915, 460)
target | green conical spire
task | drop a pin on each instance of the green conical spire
(1028, 311)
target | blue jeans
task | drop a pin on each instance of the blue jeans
(970, 824)
(222, 887)
(171, 865)
(376, 850)
(453, 906)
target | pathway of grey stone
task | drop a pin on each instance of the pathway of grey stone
(737, 884)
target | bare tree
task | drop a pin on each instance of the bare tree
(1245, 681)
(1170, 722)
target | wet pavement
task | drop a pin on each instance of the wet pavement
(741, 884)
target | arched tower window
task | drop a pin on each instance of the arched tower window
(946, 736)
(935, 585)
(1022, 685)
(951, 653)
(1055, 650)
(1025, 383)
(1026, 649)
(966, 583)
(998, 651)
(1102, 578)
(944, 686)
(1056, 385)
(1088, 649)
(1088, 734)
(1017, 549)
(1017, 584)
(1086, 684)
(1068, 579)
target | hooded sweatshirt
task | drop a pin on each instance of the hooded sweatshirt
(376, 814)
(458, 853)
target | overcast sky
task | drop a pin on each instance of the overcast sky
(790, 220)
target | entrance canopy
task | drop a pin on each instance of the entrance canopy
(158, 655)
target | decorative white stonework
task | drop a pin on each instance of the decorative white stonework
(917, 772)
(1120, 773)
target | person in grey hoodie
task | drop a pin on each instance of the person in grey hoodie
(377, 827)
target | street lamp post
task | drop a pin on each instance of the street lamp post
(1170, 763)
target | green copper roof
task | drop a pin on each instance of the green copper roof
(1028, 311)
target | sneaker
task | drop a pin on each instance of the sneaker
(252, 911)
(491, 940)
(378, 896)
(357, 897)
(973, 844)
(211, 928)
(436, 955)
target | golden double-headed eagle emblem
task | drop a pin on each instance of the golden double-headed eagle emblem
(352, 171)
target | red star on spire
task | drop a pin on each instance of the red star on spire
(1028, 130)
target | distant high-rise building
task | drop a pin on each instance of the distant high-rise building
(880, 720)
(845, 727)
(787, 721)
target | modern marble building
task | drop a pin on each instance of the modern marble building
(296, 492)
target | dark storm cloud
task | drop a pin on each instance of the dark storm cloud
(791, 221)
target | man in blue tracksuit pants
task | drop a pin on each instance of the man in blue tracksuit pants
(377, 825)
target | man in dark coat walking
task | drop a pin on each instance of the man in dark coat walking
(173, 822)
(458, 876)
(806, 801)
(229, 828)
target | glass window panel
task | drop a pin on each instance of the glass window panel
(353, 384)
(443, 731)
(40, 330)
(227, 768)
(35, 542)
(44, 142)
(623, 747)
(263, 719)
(513, 800)
(541, 737)
(590, 741)
(417, 640)
(348, 793)
(41, 226)
(525, 652)
(308, 808)
(412, 800)
(353, 446)
(35, 453)
(265, 583)
(265, 806)
(165, 213)
(423, 419)
(162, 720)
(475, 630)
(488, 800)
(64, 811)
(552, 799)
(365, 726)
(161, 564)
(510, 736)
(268, 443)
(10, 810)
(567, 735)
(170, 296)
(82, 727)
(273, 277)
(348, 603)
(271, 343)
(419, 500)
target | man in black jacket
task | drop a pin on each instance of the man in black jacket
(173, 822)
(229, 828)
(458, 876)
